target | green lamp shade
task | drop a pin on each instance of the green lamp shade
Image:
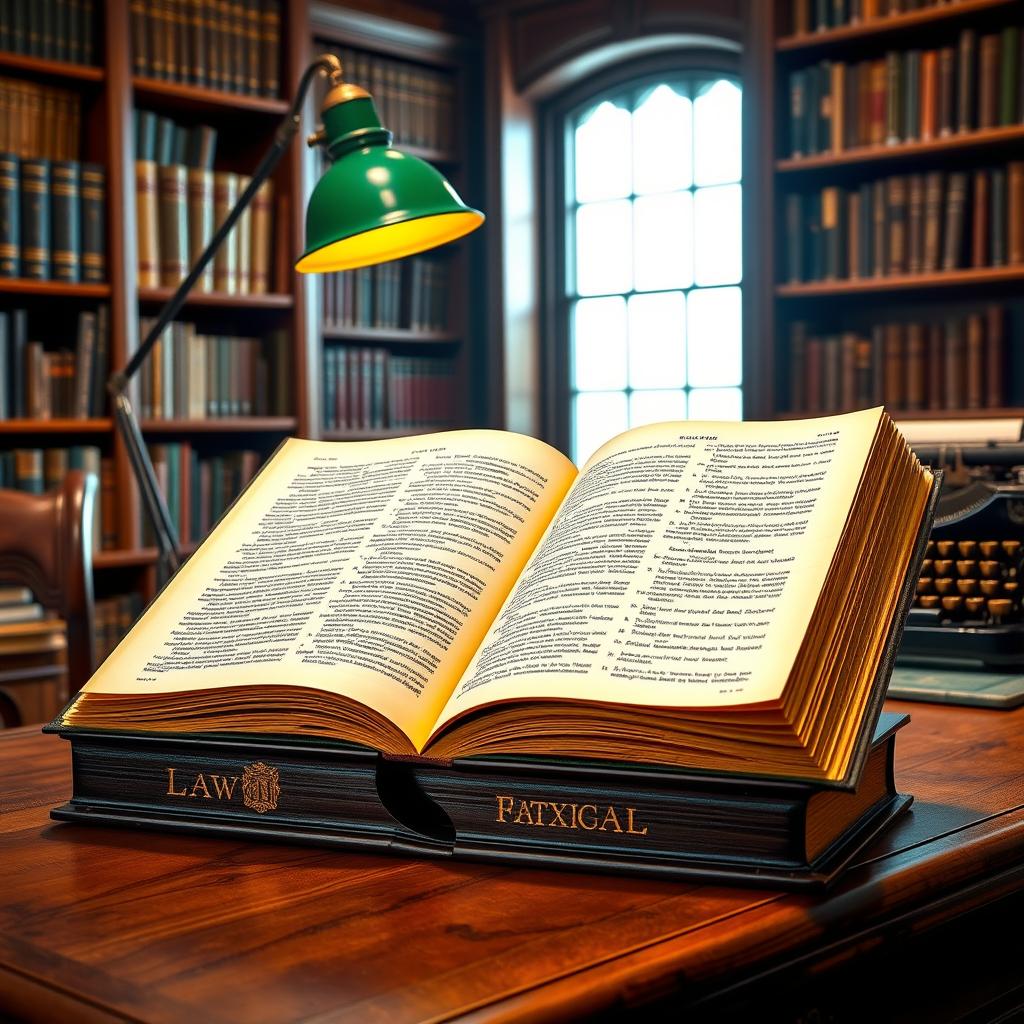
(376, 204)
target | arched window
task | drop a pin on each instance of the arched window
(651, 310)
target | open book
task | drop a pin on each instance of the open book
(706, 595)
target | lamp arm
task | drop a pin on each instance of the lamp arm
(117, 384)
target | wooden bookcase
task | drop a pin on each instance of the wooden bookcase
(452, 59)
(838, 305)
(110, 92)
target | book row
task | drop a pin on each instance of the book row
(37, 383)
(955, 363)
(38, 470)
(373, 389)
(909, 95)
(51, 29)
(39, 120)
(232, 45)
(415, 103)
(819, 15)
(198, 376)
(52, 219)
(907, 224)
(198, 487)
(112, 618)
(411, 294)
(178, 209)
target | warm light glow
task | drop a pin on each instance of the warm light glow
(391, 242)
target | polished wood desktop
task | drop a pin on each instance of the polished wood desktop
(102, 924)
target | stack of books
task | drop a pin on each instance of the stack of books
(33, 660)
(410, 294)
(908, 96)
(907, 224)
(53, 30)
(370, 388)
(40, 383)
(197, 376)
(959, 362)
(215, 44)
(180, 200)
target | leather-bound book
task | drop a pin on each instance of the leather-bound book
(172, 191)
(995, 357)
(1015, 217)
(241, 238)
(863, 373)
(915, 223)
(1009, 71)
(916, 373)
(269, 36)
(262, 214)
(934, 192)
(66, 210)
(832, 210)
(980, 200)
(94, 222)
(974, 390)
(965, 81)
(866, 231)
(825, 113)
(798, 113)
(854, 242)
(935, 365)
(795, 260)
(140, 37)
(838, 106)
(10, 216)
(997, 221)
(848, 371)
(879, 230)
(225, 265)
(955, 362)
(911, 95)
(851, 93)
(878, 105)
(147, 223)
(814, 391)
(988, 81)
(893, 97)
(896, 201)
(953, 230)
(947, 88)
(878, 364)
(814, 256)
(929, 95)
(864, 87)
(895, 357)
(35, 219)
(253, 46)
(797, 366)
(200, 221)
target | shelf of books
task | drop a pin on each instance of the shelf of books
(396, 338)
(898, 186)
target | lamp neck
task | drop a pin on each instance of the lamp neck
(353, 124)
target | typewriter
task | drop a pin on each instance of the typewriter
(968, 607)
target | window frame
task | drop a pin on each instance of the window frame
(557, 203)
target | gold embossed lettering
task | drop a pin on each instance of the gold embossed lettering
(523, 817)
(583, 824)
(539, 812)
(171, 791)
(223, 786)
(504, 807)
(629, 824)
(200, 784)
(556, 810)
(613, 818)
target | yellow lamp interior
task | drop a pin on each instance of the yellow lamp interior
(391, 242)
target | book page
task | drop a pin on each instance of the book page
(682, 569)
(369, 569)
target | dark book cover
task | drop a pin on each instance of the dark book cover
(140, 38)
(995, 357)
(915, 223)
(936, 348)
(864, 372)
(66, 212)
(934, 193)
(826, 114)
(85, 360)
(7, 383)
(19, 363)
(93, 212)
(270, 47)
(893, 97)
(966, 90)
(988, 81)
(878, 364)
(896, 214)
(997, 221)
(974, 388)
(101, 364)
(797, 366)
(851, 100)
(980, 200)
(895, 358)
(1015, 217)
(911, 95)
(879, 230)
(812, 136)
(953, 231)
(797, 113)
(831, 232)
(1009, 71)
(854, 243)
(35, 219)
(947, 81)
(848, 371)
(955, 363)
(866, 231)
(10, 216)
(172, 187)
(915, 383)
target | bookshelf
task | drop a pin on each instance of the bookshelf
(110, 90)
(383, 332)
(858, 121)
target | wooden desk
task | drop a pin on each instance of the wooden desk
(98, 924)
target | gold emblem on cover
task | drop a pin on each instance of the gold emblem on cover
(260, 787)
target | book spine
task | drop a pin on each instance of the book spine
(956, 198)
(794, 238)
(242, 237)
(93, 217)
(225, 263)
(848, 373)
(896, 188)
(1015, 219)
(879, 229)
(200, 187)
(980, 200)
(955, 365)
(893, 98)
(929, 95)
(259, 270)
(975, 362)
(797, 114)
(895, 367)
(10, 216)
(1009, 71)
(35, 219)
(995, 357)
(947, 77)
(936, 366)
(988, 81)
(915, 347)
(965, 97)
(66, 207)
(912, 96)
(172, 189)
(147, 221)
(997, 221)
(915, 223)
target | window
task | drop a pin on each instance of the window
(653, 247)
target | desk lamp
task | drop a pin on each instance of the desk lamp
(373, 204)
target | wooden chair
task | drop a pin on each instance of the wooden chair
(46, 545)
